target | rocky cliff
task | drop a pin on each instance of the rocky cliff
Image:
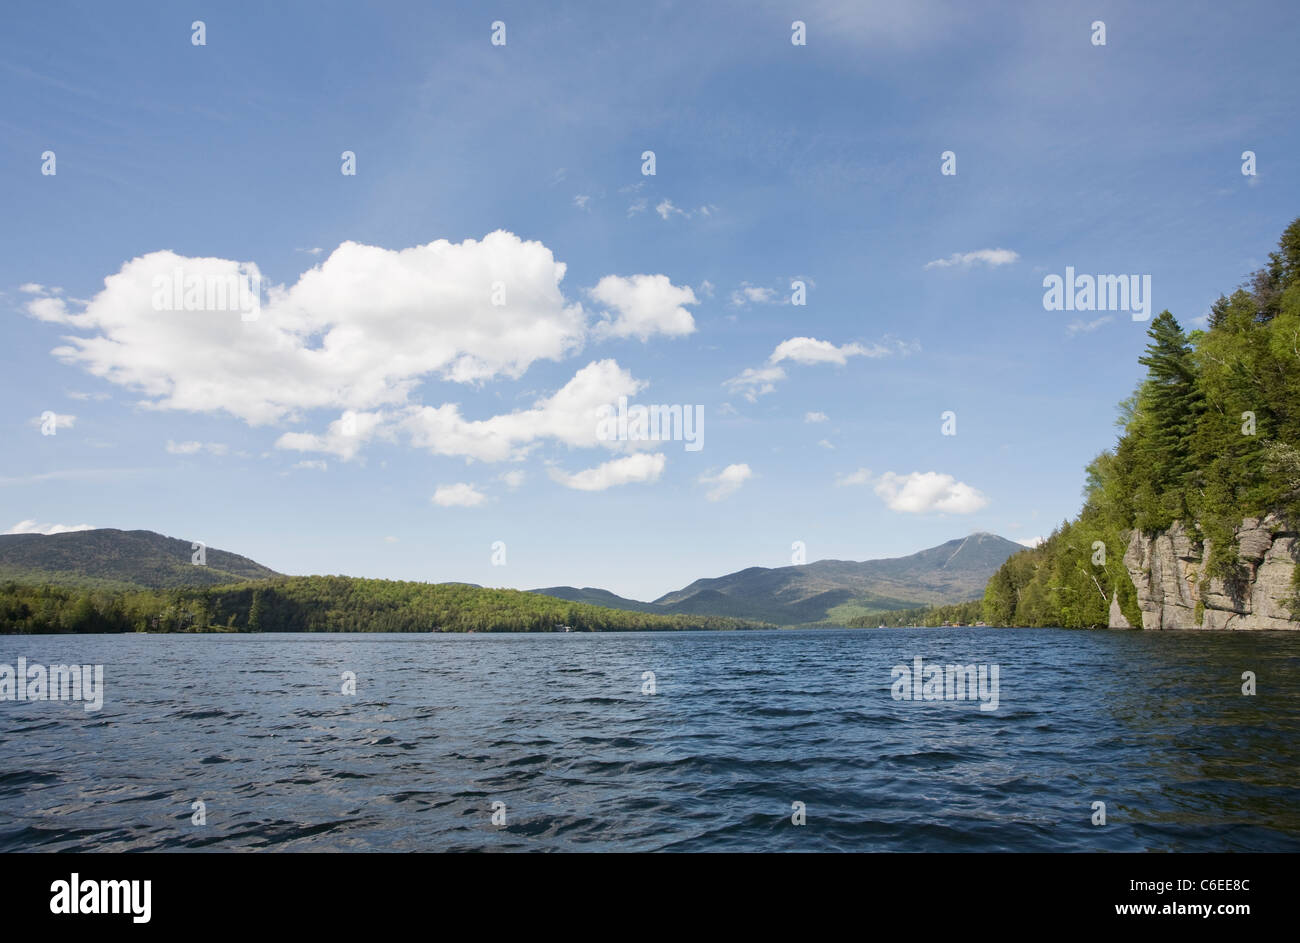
(1173, 593)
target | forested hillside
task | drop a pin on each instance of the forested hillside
(111, 559)
(320, 604)
(1209, 437)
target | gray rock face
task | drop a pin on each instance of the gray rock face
(1117, 620)
(1166, 570)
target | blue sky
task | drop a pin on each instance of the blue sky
(774, 163)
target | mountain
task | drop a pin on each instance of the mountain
(597, 597)
(832, 591)
(119, 560)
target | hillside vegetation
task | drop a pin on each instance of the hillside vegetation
(1209, 437)
(320, 604)
(110, 559)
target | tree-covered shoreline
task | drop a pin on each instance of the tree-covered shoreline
(1210, 437)
(321, 604)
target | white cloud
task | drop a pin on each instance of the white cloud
(1084, 327)
(666, 209)
(581, 201)
(707, 288)
(360, 330)
(390, 540)
(312, 463)
(752, 294)
(458, 495)
(31, 527)
(73, 394)
(637, 206)
(922, 492)
(344, 437)
(753, 382)
(825, 443)
(571, 417)
(815, 417)
(809, 350)
(513, 479)
(646, 305)
(727, 481)
(989, 257)
(193, 448)
(1031, 541)
(860, 477)
(619, 471)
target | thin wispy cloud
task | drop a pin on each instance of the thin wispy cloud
(991, 258)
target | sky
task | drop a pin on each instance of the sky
(414, 386)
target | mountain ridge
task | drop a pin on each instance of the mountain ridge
(828, 591)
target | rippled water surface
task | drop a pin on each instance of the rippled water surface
(742, 726)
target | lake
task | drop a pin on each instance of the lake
(559, 739)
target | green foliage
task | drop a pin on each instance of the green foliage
(321, 604)
(1209, 438)
(965, 613)
(118, 560)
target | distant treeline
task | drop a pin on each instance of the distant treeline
(1210, 436)
(321, 604)
(966, 613)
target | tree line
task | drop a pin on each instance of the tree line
(321, 604)
(1209, 437)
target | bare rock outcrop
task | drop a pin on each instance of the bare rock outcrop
(1172, 592)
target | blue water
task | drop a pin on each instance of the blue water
(741, 727)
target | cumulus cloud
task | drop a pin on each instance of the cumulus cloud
(815, 417)
(459, 495)
(989, 257)
(31, 527)
(344, 437)
(619, 471)
(1030, 541)
(513, 479)
(645, 305)
(753, 382)
(570, 417)
(727, 481)
(360, 330)
(922, 492)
